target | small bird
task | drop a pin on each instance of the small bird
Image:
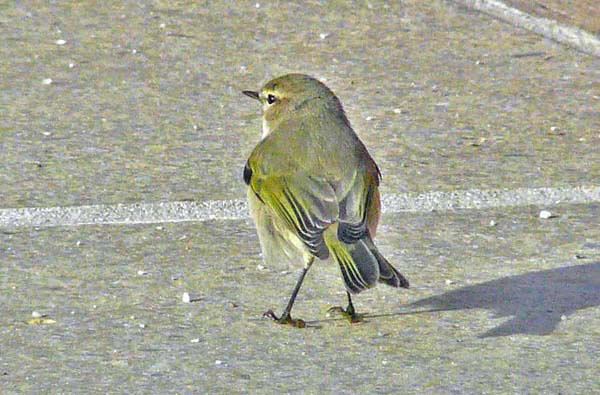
(313, 189)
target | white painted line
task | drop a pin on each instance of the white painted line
(146, 213)
(574, 37)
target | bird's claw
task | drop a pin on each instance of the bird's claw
(285, 319)
(348, 313)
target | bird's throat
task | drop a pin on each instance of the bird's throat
(266, 130)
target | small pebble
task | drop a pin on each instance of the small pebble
(36, 314)
(544, 214)
(186, 298)
(61, 42)
(47, 81)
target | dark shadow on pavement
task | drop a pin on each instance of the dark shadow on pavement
(535, 301)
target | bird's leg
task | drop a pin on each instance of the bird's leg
(349, 313)
(285, 317)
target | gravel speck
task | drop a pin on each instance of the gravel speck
(544, 214)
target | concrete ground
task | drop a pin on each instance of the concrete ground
(583, 14)
(140, 103)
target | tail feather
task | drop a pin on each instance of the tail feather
(387, 273)
(390, 276)
(361, 264)
(358, 265)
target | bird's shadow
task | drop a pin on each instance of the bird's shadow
(535, 302)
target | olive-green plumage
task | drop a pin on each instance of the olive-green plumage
(313, 187)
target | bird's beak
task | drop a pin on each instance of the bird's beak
(251, 94)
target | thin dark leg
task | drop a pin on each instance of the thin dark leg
(350, 309)
(288, 308)
(286, 318)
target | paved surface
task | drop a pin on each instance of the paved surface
(583, 14)
(143, 110)
(147, 213)
(542, 18)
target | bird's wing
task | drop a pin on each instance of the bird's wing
(358, 206)
(308, 205)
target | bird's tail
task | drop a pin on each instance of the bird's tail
(362, 265)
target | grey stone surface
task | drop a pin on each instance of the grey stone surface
(507, 308)
(563, 33)
(479, 104)
(445, 99)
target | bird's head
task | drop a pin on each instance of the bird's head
(293, 95)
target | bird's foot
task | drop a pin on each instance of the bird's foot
(348, 313)
(285, 319)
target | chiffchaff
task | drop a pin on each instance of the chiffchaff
(313, 188)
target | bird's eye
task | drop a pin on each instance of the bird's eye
(271, 99)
